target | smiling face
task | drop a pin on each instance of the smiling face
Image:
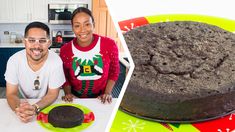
(83, 27)
(36, 44)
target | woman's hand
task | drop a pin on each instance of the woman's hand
(105, 98)
(25, 112)
(68, 97)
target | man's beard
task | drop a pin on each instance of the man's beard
(39, 57)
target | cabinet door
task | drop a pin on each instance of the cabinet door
(21, 11)
(3, 58)
(5, 11)
(5, 54)
(81, 1)
(39, 10)
(104, 24)
(57, 1)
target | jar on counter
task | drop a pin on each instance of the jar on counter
(6, 37)
(13, 37)
(19, 38)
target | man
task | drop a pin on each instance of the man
(35, 72)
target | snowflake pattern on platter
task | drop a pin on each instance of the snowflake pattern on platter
(133, 126)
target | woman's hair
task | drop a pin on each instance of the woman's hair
(84, 10)
(37, 25)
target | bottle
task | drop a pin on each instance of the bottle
(13, 37)
(6, 37)
(19, 38)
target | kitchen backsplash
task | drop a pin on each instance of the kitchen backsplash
(19, 28)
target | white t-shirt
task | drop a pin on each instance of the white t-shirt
(18, 72)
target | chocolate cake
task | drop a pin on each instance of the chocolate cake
(184, 71)
(65, 116)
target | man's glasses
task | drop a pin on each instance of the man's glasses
(34, 41)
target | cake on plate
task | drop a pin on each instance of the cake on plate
(65, 116)
(184, 71)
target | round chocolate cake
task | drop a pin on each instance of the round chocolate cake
(184, 71)
(65, 116)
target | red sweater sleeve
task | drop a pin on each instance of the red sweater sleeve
(63, 55)
(114, 61)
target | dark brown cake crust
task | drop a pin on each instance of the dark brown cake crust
(183, 71)
(65, 116)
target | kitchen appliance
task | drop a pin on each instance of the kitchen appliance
(62, 13)
(61, 36)
(58, 37)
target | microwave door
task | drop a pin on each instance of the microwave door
(62, 13)
(59, 21)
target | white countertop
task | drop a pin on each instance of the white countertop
(9, 122)
(11, 45)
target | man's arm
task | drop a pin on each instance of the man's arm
(23, 110)
(49, 98)
(12, 96)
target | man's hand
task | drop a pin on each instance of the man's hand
(68, 97)
(105, 98)
(25, 112)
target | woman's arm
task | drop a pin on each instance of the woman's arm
(107, 97)
(114, 70)
(68, 95)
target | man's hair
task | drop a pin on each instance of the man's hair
(37, 25)
(84, 10)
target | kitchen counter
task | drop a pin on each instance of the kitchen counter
(11, 45)
(10, 123)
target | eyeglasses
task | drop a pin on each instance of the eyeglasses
(40, 41)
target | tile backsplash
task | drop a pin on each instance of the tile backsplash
(20, 27)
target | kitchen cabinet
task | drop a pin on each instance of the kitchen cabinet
(5, 13)
(39, 10)
(68, 1)
(80, 1)
(57, 1)
(20, 11)
(23, 11)
(103, 22)
(5, 54)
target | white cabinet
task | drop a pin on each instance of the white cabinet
(39, 10)
(58, 1)
(5, 13)
(23, 11)
(70, 1)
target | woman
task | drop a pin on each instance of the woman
(90, 61)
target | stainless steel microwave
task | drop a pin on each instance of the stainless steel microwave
(61, 13)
